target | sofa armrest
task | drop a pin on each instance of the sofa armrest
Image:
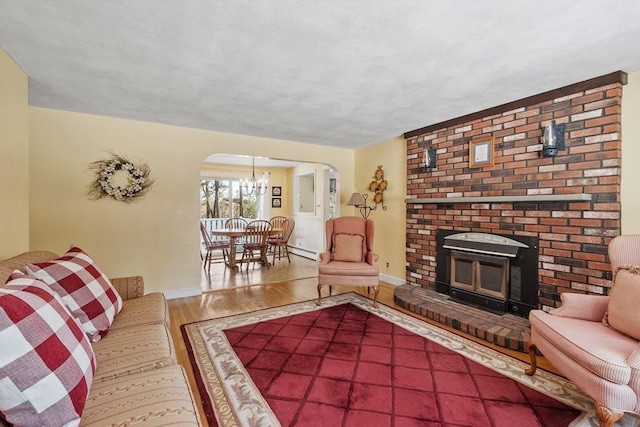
(8, 266)
(634, 359)
(325, 257)
(371, 258)
(129, 287)
(582, 306)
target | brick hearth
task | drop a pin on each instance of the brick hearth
(506, 331)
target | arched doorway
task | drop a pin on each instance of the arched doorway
(222, 195)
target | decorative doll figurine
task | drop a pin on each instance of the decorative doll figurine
(378, 185)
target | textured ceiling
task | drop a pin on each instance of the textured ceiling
(260, 162)
(341, 73)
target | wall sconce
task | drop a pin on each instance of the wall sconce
(360, 201)
(430, 157)
(553, 139)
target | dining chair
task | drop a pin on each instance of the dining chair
(210, 246)
(236, 223)
(278, 222)
(255, 246)
(279, 245)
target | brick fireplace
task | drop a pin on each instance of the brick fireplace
(570, 203)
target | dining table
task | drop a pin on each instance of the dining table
(234, 234)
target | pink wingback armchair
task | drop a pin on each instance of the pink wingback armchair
(603, 361)
(349, 259)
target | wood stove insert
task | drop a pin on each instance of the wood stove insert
(481, 274)
(495, 273)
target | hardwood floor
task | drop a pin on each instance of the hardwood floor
(221, 277)
(229, 293)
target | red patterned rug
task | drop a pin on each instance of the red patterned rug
(348, 364)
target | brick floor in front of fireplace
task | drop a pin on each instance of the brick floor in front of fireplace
(504, 330)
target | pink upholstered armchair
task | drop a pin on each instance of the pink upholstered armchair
(602, 357)
(348, 259)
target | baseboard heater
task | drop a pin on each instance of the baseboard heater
(304, 252)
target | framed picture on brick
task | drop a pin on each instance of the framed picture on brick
(481, 152)
(276, 202)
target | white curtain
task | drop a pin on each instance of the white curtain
(264, 207)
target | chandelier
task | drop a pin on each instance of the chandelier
(255, 187)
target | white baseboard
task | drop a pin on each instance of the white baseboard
(396, 281)
(182, 293)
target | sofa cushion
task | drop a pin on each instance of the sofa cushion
(84, 289)
(347, 247)
(149, 309)
(46, 360)
(133, 349)
(160, 397)
(624, 304)
(582, 341)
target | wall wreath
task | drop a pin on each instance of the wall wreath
(120, 178)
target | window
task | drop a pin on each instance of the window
(224, 198)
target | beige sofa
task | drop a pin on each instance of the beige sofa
(137, 380)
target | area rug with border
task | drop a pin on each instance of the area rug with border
(347, 363)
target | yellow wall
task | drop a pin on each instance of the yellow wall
(390, 234)
(279, 178)
(157, 237)
(630, 187)
(14, 159)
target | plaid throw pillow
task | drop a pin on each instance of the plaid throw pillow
(85, 290)
(46, 360)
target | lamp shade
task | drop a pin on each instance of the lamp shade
(356, 199)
